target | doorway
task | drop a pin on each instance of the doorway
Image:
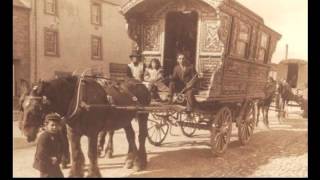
(292, 76)
(181, 36)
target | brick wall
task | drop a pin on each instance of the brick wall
(21, 45)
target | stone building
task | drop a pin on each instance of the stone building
(21, 45)
(57, 37)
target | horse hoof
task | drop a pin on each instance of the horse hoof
(64, 166)
(128, 164)
(75, 174)
(109, 154)
(139, 165)
(94, 174)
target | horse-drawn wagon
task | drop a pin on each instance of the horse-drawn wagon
(231, 50)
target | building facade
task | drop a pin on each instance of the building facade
(21, 46)
(57, 37)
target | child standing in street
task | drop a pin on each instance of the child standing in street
(49, 148)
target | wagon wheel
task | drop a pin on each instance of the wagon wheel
(187, 130)
(247, 124)
(221, 131)
(157, 129)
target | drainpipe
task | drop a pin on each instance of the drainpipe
(36, 42)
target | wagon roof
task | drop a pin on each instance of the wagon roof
(294, 61)
(131, 4)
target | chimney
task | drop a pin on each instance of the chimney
(287, 49)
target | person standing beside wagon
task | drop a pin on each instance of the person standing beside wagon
(136, 68)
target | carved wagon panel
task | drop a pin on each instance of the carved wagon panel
(210, 41)
(151, 36)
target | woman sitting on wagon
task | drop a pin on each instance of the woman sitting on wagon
(153, 77)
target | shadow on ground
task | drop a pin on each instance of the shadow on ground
(237, 161)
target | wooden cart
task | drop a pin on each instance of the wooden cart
(228, 44)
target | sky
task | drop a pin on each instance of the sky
(290, 19)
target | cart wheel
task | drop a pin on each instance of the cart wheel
(247, 124)
(221, 131)
(188, 130)
(157, 130)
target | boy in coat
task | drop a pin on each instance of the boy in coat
(49, 148)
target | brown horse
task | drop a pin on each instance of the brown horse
(264, 104)
(64, 96)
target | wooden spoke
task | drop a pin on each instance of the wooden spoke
(187, 130)
(247, 124)
(157, 131)
(221, 131)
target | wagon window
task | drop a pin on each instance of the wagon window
(243, 40)
(263, 48)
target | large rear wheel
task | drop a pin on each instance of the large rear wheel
(247, 123)
(221, 131)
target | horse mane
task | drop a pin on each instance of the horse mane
(58, 90)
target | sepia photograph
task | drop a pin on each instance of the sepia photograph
(160, 88)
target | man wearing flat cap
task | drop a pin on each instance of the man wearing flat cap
(136, 68)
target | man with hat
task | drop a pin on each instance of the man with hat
(136, 68)
(49, 148)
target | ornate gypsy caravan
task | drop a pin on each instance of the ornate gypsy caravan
(228, 44)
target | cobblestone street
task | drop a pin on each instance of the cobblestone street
(279, 152)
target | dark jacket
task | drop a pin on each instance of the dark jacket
(183, 76)
(49, 145)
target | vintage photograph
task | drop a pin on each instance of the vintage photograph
(160, 88)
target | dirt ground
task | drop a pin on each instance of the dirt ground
(278, 152)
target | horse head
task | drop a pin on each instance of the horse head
(45, 97)
(33, 107)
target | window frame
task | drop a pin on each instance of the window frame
(55, 6)
(239, 40)
(93, 37)
(265, 49)
(100, 13)
(56, 32)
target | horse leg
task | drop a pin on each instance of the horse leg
(266, 120)
(141, 161)
(258, 114)
(101, 141)
(77, 154)
(132, 152)
(109, 148)
(92, 154)
(65, 144)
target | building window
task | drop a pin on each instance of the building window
(51, 46)
(263, 48)
(243, 39)
(96, 47)
(96, 14)
(50, 7)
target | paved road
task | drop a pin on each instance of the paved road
(279, 152)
